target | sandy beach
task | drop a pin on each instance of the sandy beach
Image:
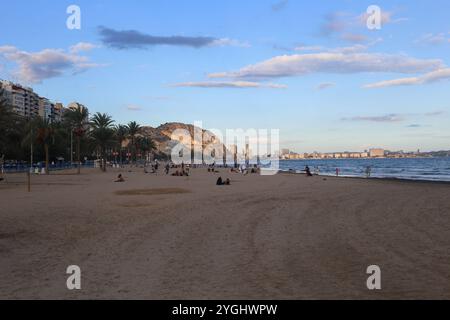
(264, 237)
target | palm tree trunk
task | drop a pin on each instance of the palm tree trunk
(104, 160)
(133, 151)
(78, 156)
(46, 158)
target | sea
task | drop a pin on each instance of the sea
(429, 169)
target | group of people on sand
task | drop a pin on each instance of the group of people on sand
(181, 173)
(246, 170)
(220, 182)
(184, 171)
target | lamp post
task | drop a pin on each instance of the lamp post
(71, 147)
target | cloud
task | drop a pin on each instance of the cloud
(226, 42)
(230, 84)
(83, 46)
(348, 49)
(431, 77)
(309, 48)
(354, 37)
(132, 39)
(331, 62)
(393, 117)
(434, 39)
(414, 126)
(335, 22)
(348, 27)
(280, 5)
(325, 85)
(133, 108)
(386, 17)
(34, 67)
(435, 113)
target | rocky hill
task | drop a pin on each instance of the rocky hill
(162, 136)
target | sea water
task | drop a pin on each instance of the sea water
(432, 169)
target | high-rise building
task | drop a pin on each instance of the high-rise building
(46, 109)
(27, 103)
(376, 153)
(23, 100)
(58, 112)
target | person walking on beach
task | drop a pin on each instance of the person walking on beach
(368, 171)
(308, 171)
(167, 168)
(337, 172)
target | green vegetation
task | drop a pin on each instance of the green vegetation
(36, 139)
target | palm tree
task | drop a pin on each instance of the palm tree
(102, 134)
(121, 132)
(133, 130)
(77, 119)
(43, 132)
(145, 145)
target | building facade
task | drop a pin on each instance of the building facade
(376, 153)
(26, 103)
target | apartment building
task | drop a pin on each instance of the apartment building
(46, 109)
(27, 103)
(24, 100)
(376, 153)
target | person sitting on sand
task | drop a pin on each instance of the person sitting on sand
(220, 182)
(177, 174)
(120, 178)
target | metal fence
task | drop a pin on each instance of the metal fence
(25, 167)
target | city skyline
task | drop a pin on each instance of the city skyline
(315, 72)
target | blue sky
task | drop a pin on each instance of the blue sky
(309, 68)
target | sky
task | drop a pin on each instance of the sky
(315, 70)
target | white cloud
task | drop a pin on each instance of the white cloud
(354, 37)
(325, 85)
(33, 67)
(348, 49)
(386, 17)
(434, 76)
(309, 48)
(349, 27)
(434, 38)
(230, 84)
(133, 108)
(83, 46)
(332, 62)
(226, 42)
(393, 117)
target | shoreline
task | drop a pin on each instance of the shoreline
(371, 178)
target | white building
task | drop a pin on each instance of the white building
(23, 99)
(27, 103)
(376, 153)
(46, 109)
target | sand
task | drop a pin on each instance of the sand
(263, 237)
